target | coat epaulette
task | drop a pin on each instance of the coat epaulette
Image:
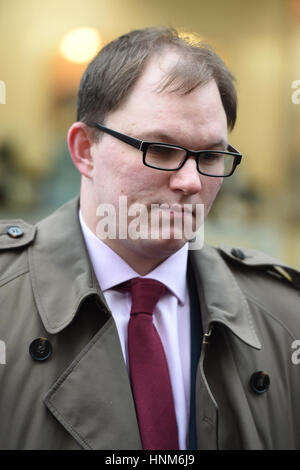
(260, 260)
(15, 234)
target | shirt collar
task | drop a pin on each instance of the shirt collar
(111, 269)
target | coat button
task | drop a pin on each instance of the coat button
(15, 232)
(260, 382)
(40, 349)
(237, 253)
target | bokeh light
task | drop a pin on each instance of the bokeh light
(80, 45)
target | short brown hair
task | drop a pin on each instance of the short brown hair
(115, 69)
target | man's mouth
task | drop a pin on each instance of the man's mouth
(178, 208)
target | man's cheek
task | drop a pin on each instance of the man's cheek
(217, 186)
(212, 194)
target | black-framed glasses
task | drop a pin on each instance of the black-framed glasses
(168, 157)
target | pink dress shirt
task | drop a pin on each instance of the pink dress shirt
(171, 315)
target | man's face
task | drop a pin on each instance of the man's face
(195, 120)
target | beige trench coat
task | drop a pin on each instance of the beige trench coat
(80, 397)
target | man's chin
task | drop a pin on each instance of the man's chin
(160, 248)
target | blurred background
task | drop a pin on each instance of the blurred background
(42, 58)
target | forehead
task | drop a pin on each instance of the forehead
(156, 68)
(176, 113)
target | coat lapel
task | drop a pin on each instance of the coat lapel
(92, 398)
(221, 298)
(221, 301)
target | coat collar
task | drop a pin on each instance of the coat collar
(224, 301)
(61, 273)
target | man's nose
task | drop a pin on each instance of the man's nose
(187, 179)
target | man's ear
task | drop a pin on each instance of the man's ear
(79, 143)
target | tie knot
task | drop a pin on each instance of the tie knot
(145, 294)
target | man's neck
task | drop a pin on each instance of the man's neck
(140, 263)
(142, 256)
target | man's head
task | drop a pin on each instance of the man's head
(153, 86)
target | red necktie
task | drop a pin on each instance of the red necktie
(149, 372)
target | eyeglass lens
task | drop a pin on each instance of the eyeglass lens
(170, 158)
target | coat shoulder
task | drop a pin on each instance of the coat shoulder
(15, 236)
(257, 262)
(267, 283)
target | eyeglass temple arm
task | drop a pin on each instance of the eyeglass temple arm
(233, 150)
(124, 138)
(238, 158)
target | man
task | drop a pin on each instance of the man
(214, 368)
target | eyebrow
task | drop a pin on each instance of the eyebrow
(160, 136)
